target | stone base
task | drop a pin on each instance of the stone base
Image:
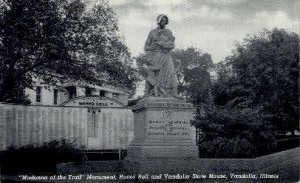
(164, 140)
(162, 151)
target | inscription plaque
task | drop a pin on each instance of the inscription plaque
(168, 124)
(168, 128)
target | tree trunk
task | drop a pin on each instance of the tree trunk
(1, 88)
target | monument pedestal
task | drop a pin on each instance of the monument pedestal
(162, 131)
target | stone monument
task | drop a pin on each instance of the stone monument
(162, 129)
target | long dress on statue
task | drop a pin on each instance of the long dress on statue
(158, 46)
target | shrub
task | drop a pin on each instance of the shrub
(38, 159)
(234, 133)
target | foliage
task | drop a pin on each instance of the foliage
(255, 97)
(107, 49)
(234, 133)
(43, 37)
(263, 72)
(192, 70)
(38, 159)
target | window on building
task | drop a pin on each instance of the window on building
(102, 93)
(55, 96)
(38, 94)
(72, 92)
(115, 95)
(88, 91)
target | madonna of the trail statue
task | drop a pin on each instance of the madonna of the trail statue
(163, 136)
(161, 78)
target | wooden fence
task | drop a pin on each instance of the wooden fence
(23, 125)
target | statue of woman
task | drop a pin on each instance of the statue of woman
(161, 78)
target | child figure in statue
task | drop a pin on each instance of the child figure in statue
(161, 79)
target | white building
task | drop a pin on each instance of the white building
(47, 94)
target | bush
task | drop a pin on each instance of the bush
(234, 133)
(38, 159)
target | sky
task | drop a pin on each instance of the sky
(213, 26)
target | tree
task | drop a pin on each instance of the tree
(234, 133)
(222, 84)
(44, 36)
(263, 73)
(27, 42)
(193, 67)
(106, 48)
